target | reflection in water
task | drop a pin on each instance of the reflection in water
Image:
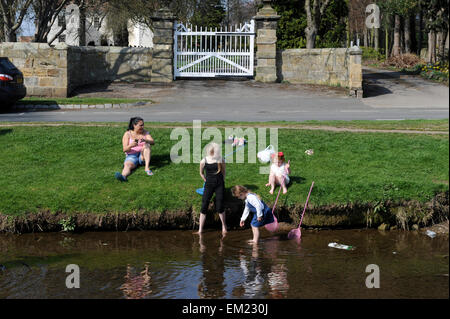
(136, 286)
(253, 282)
(277, 277)
(263, 275)
(212, 281)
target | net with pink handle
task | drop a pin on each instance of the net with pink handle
(297, 233)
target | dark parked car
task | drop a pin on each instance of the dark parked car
(12, 88)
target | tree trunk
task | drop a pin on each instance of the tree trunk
(313, 16)
(431, 47)
(311, 28)
(376, 38)
(347, 31)
(412, 29)
(9, 33)
(366, 38)
(10, 36)
(386, 50)
(446, 47)
(441, 44)
(396, 46)
(420, 35)
(311, 33)
(407, 34)
(82, 30)
(12, 18)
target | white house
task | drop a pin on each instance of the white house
(139, 35)
(97, 32)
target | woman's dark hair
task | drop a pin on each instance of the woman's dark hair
(134, 121)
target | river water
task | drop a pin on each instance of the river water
(178, 264)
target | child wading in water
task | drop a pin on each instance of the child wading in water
(214, 167)
(279, 170)
(262, 213)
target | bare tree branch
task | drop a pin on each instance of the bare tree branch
(63, 28)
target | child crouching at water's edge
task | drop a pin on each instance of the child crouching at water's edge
(262, 213)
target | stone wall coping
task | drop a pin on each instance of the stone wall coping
(109, 49)
(77, 106)
(318, 50)
(24, 45)
(63, 46)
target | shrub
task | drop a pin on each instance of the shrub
(403, 61)
(369, 53)
(435, 71)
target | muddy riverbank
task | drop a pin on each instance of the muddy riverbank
(407, 215)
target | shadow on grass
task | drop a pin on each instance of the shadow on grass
(4, 132)
(296, 180)
(160, 160)
(156, 161)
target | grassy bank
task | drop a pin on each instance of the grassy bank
(70, 169)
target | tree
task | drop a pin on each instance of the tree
(239, 11)
(293, 21)
(436, 21)
(399, 12)
(332, 27)
(357, 19)
(2, 36)
(208, 13)
(13, 13)
(46, 12)
(314, 14)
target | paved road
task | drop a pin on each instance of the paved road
(388, 95)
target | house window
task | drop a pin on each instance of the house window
(97, 22)
(62, 38)
(62, 19)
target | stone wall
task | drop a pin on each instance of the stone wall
(56, 71)
(44, 68)
(89, 65)
(335, 67)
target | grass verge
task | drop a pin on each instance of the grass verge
(70, 169)
(441, 125)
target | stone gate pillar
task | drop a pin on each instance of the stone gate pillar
(162, 55)
(355, 72)
(266, 43)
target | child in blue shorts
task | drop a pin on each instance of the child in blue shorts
(262, 213)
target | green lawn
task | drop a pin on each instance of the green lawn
(71, 169)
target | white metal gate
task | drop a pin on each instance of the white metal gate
(210, 53)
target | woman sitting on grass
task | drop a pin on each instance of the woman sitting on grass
(262, 213)
(136, 145)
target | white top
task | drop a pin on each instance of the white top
(255, 202)
(280, 171)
